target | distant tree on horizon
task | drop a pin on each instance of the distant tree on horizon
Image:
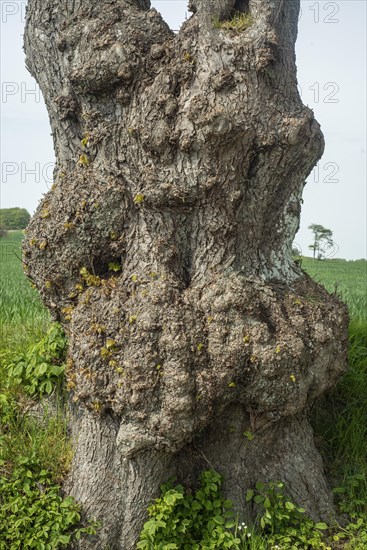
(322, 240)
(14, 218)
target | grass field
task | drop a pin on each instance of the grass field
(339, 419)
(23, 317)
(348, 279)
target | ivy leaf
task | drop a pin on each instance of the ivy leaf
(218, 520)
(321, 525)
(267, 503)
(230, 524)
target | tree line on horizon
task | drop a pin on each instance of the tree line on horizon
(13, 218)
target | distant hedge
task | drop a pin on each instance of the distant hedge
(14, 218)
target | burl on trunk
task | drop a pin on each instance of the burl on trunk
(164, 247)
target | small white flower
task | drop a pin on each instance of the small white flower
(249, 534)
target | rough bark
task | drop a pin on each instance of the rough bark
(182, 158)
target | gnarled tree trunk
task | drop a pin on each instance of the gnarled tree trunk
(182, 159)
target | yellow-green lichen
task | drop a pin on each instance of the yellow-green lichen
(99, 329)
(85, 141)
(105, 353)
(45, 213)
(97, 406)
(139, 198)
(83, 160)
(188, 58)
(67, 312)
(88, 278)
(68, 225)
(110, 344)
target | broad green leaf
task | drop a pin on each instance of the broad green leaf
(321, 525)
(267, 503)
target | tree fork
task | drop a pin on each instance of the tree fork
(164, 248)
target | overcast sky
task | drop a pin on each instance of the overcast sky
(331, 59)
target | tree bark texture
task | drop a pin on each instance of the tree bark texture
(181, 158)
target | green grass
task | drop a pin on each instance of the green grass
(24, 322)
(24, 319)
(239, 22)
(25, 436)
(340, 418)
(348, 279)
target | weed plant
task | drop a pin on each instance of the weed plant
(239, 22)
(35, 452)
(180, 520)
(33, 514)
